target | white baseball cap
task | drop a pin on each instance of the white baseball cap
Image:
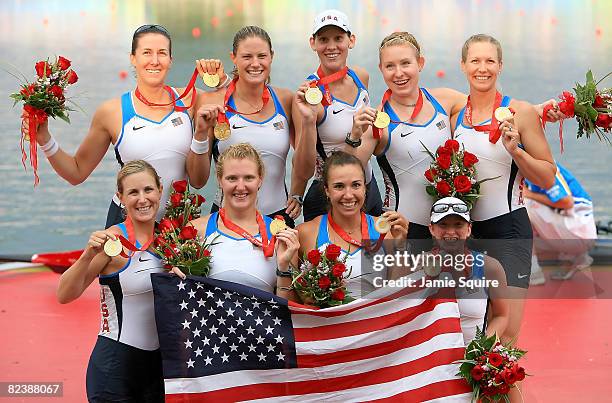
(449, 206)
(330, 17)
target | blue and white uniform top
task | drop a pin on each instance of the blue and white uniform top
(404, 162)
(498, 196)
(472, 302)
(271, 138)
(566, 185)
(359, 283)
(238, 260)
(126, 301)
(164, 144)
(337, 122)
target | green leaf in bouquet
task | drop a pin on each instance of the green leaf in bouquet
(63, 116)
(200, 267)
(433, 157)
(431, 191)
(478, 183)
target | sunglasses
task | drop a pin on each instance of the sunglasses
(443, 208)
(151, 27)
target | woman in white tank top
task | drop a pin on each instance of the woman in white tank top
(168, 132)
(243, 249)
(321, 128)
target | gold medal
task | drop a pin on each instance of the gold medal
(382, 120)
(113, 248)
(382, 225)
(502, 113)
(313, 95)
(222, 131)
(211, 80)
(277, 226)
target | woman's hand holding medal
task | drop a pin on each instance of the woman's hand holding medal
(206, 117)
(287, 245)
(510, 135)
(364, 117)
(306, 107)
(211, 71)
(104, 241)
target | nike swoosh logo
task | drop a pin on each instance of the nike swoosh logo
(522, 276)
(336, 112)
(237, 127)
(140, 259)
(406, 134)
(138, 128)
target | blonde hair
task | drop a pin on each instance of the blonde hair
(240, 151)
(480, 38)
(400, 38)
(134, 167)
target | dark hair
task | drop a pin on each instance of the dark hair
(339, 158)
(150, 29)
(250, 31)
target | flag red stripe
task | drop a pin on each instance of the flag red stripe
(374, 377)
(432, 391)
(365, 325)
(441, 326)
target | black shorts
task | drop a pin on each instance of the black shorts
(315, 201)
(115, 215)
(121, 373)
(288, 220)
(509, 239)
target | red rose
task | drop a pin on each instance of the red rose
(509, 376)
(444, 161)
(206, 252)
(176, 199)
(599, 102)
(462, 184)
(197, 200)
(469, 159)
(567, 104)
(495, 359)
(338, 295)
(338, 270)
(179, 186)
(57, 92)
(175, 223)
(603, 120)
(314, 257)
(168, 252)
(168, 266)
(332, 252)
(72, 77)
(443, 188)
(430, 174)
(302, 281)
(519, 372)
(324, 282)
(42, 69)
(159, 240)
(188, 232)
(165, 225)
(477, 372)
(503, 389)
(444, 151)
(63, 63)
(452, 145)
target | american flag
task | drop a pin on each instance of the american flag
(222, 341)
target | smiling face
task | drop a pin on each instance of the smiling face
(140, 195)
(332, 45)
(240, 181)
(481, 65)
(451, 232)
(400, 66)
(151, 58)
(346, 189)
(253, 59)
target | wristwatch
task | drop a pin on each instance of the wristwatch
(352, 143)
(298, 198)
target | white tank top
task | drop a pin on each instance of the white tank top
(164, 144)
(126, 301)
(337, 122)
(404, 162)
(359, 283)
(271, 139)
(499, 196)
(238, 260)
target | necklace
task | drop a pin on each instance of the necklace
(406, 105)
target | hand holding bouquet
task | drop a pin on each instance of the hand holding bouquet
(491, 368)
(43, 98)
(175, 241)
(321, 278)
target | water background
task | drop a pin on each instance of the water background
(548, 46)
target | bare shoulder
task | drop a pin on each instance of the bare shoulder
(214, 97)
(361, 73)
(285, 94)
(307, 233)
(522, 107)
(109, 107)
(200, 223)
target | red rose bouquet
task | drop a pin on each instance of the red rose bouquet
(453, 173)
(321, 278)
(43, 98)
(175, 241)
(491, 368)
(592, 108)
